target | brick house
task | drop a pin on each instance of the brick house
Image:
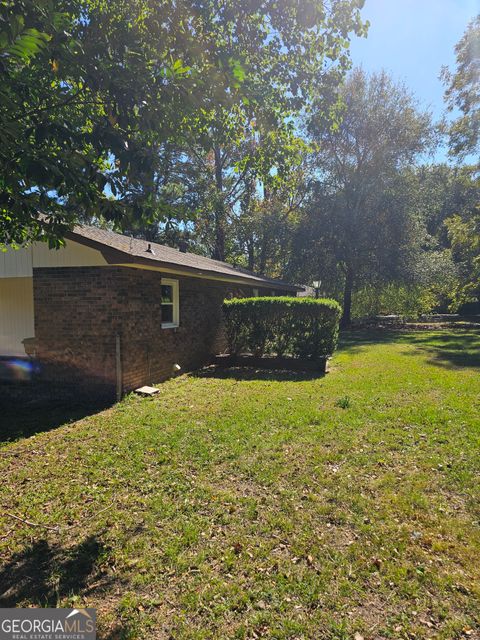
(108, 313)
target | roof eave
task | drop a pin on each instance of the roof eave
(118, 257)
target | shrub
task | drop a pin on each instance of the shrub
(299, 327)
(408, 301)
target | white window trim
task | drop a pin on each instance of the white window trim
(176, 303)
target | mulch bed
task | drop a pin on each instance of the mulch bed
(271, 362)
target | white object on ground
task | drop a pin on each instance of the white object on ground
(147, 391)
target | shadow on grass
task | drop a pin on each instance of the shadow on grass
(252, 373)
(453, 348)
(28, 408)
(450, 348)
(357, 340)
(43, 573)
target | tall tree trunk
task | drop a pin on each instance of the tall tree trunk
(251, 254)
(347, 298)
(219, 250)
(262, 262)
(266, 192)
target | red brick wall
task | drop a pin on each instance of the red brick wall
(80, 310)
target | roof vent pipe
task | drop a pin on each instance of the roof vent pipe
(182, 246)
(149, 249)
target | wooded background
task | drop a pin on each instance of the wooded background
(241, 129)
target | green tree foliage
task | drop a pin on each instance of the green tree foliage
(278, 52)
(464, 237)
(266, 217)
(463, 92)
(438, 193)
(427, 271)
(357, 220)
(92, 91)
(463, 227)
(408, 301)
(80, 82)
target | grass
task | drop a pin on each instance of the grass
(241, 504)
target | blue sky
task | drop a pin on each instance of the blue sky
(412, 40)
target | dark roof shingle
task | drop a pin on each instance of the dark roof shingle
(149, 252)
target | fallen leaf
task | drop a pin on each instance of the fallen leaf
(237, 547)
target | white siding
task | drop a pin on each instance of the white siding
(16, 315)
(72, 255)
(16, 287)
(18, 263)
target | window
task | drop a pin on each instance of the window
(169, 303)
(255, 293)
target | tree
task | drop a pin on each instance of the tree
(463, 227)
(61, 117)
(464, 236)
(266, 218)
(277, 51)
(82, 82)
(439, 191)
(463, 93)
(360, 213)
(92, 92)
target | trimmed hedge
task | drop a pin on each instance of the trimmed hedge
(298, 327)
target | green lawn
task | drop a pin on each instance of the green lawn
(250, 505)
